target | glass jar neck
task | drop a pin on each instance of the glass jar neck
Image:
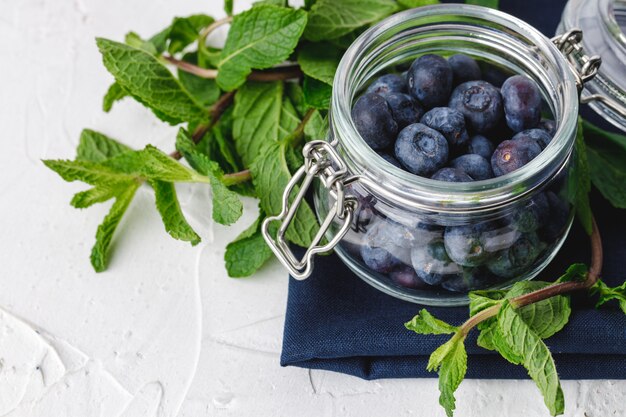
(446, 29)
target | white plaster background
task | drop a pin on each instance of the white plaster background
(164, 332)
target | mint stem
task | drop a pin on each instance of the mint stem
(237, 177)
(296, 136)
(285, 72)
(204, 34)
(216, 112)
(556, 289)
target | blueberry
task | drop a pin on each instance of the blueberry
(404, 108)
(464, 69)
(373, 120)
(513, 154)
(421, 150)
(430, 80)
(468, 280)
(540, 136)
(451, 175)
(386, 246)
(480, 103)
(559, 217)
(517, 259)
(480, 145)
(548, 125)
(475, 166)
(432, 263)
(522, 102)
(406, 276)
(450, 123)
(533, 215)
(389, 83)
(493, 74)
(466, 244)
(393, 161)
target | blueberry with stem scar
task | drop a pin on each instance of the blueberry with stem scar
(420, 149)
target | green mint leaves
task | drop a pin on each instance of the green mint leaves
(425, 323)
(517, 342)
(330, 19)
(227, 207)
(517, 333)
(116, 172)
(450, 361)
(258, 38)
(142, 76)
(607, 294)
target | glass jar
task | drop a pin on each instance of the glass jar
(422, 240)
(604, 25)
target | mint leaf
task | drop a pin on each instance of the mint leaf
(100, 193)
(450, 360)
(594, 133)
(185, 30)
(575, 272)
(228, 7)
(485, 337)
(320, 61)
(480, 300)
(607, 163)
(411, 4)
(545, 317)
(256, 117)
(227, 208)
(494, 4)
(88, 172)
(425, 323)
(579, 183)
(100, 252)
(134, 40)
(204, 90)
(114, 94)
(258, 38)
(180, 33)
(317, 94)
(96, 147)
(169, 208)
(607, 293)
(152, 164)
(270, 175)
(150, 83)
(518, 343)
(248, 252)
(329, 19)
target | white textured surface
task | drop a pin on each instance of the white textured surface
(163, 332)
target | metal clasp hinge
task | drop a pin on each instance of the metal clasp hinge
(570, 44)
(322, 161)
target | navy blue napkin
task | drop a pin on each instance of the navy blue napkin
(337, 322)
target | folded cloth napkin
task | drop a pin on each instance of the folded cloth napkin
(337, 322)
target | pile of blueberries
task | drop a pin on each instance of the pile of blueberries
(443, 121)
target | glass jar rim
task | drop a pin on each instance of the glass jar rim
(479, 194)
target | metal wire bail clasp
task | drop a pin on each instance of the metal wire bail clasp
(321, 160)
(570, 44)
